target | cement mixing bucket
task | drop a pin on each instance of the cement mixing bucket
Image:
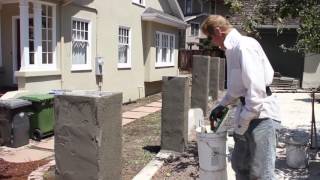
(212, 155)
(296, 149)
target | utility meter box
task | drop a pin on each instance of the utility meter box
(99, 66)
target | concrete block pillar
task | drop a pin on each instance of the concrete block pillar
(200, 82)
(88, 135)
(174, 115)
(214, 76)
(222, 77)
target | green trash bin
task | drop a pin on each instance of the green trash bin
(42, 118)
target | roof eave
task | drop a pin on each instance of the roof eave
(162, 20)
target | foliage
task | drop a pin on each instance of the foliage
(280, 13)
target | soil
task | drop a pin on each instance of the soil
(181, 167)
(18, 171)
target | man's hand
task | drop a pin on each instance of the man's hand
(216, 113)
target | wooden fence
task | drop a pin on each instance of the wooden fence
(185, 57)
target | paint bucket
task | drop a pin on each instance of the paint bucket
(296, 149)
(212, 154)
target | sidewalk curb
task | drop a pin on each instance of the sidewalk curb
(38, 173)
(154, 165)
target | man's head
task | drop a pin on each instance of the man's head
(217, 27)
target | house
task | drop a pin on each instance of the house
(116, 45)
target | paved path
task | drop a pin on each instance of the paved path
(45, 149)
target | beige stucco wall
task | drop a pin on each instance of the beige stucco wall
(129, 81)
(153, 73)
(75, 80)
(7, 11)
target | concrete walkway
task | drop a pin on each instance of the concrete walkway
(45, 149)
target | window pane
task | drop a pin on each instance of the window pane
(49, 34)
(82, 26)
(31, 34)
(164, 54)
(86, 27)
(74, 25)
(82, 35)
(44, 46)
(74, 35)
(44, 58)
(49, 22)
(79, 54)
(50, 58)
(49, 11)
(44, 22)
(44, 34)
(31, 46)
(50, 46)
(43, 10)
(86, 36)
(31, 58)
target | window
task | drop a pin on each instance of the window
(140, 2)
(81, 59)
(195, 29)
(124, 54)
(31, 42)
(165, 45)
(47, 34)
(188, 7)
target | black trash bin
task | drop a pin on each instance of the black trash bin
(14, 122)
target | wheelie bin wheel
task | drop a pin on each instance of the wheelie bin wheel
(37, 135)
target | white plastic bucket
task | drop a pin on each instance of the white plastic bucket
(296, 149)
(212, 154)
(297, 156)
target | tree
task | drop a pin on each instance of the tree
(281, 13)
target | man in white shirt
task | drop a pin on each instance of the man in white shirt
(249, 74)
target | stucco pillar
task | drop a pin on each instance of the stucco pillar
(24, 33)
(214, 77)
(37, 32)
(174, 114)
(88, 135)
(200, 82)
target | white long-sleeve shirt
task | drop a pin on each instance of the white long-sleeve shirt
(248, 73)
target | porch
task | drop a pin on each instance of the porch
(28, 42)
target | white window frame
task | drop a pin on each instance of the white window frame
(128, 64)
(170, 50)
(37, 66)
(87, 66)
(186, 8)
(139, 2)
(195, 35)
(52, 66)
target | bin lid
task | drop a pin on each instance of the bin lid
(14, 103)
(38, 97)
(297, 137)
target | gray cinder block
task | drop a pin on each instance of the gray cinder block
(174, 115)
(222, 78)
(200, 82)
(88, 135)
(214, 77)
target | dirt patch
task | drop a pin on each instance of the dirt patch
(141, 142)
(185, 166)
(18, 171)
